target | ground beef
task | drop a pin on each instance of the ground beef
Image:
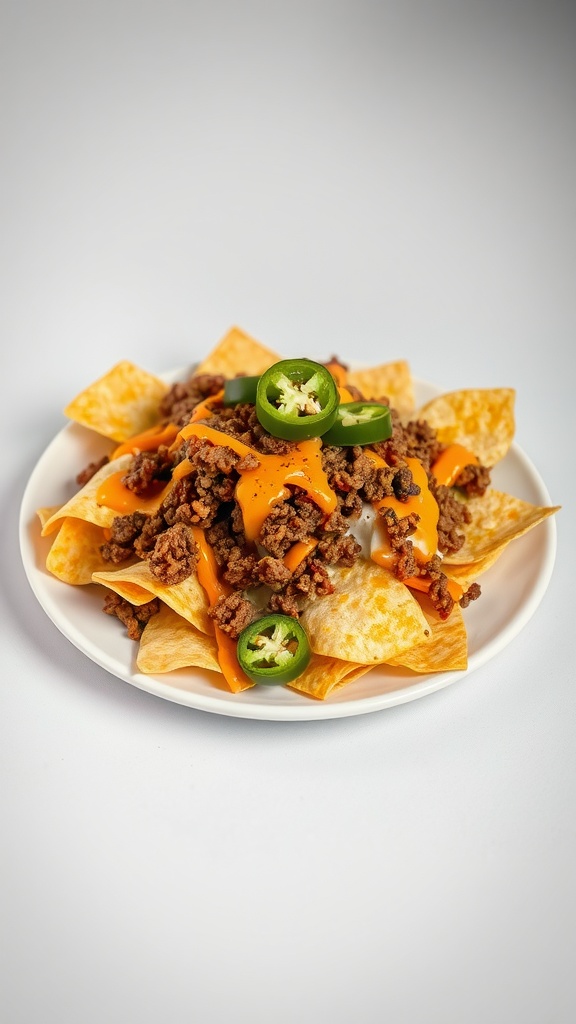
(453, 515)
(180, 401)
(473, 480)
(339, 549)
(440, 596)
(286, 604)
(123, 534)
(134, 617)
(289, 521)
(403, 484)
(222, 539)
(240, 568)
(148, 467)
(241, 421)
(232, 614)
(399, 529)
(352, 475)
(90, 470)
(174, 556)
(416, 439)
(272, 572)
(472, 594)
(310, 579)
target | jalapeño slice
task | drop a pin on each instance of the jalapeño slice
(360, 423)
(240, 389)
(273, 649)
(296, 399)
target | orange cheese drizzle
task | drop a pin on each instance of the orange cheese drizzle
(259, 489)
(148, 440)
(339, 373)
(425, 537)
(297, 553)
(115, 495)
(384, 555)
(451, 462)
(205, 408)
(214, 587)
(421, 583)
(345, 395)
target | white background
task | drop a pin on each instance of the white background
(375, 180)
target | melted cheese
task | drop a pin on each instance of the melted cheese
(114, 494)
(259, 489)
(214, 587)
(147, 441)
(425, 537)
(423, 585)
(451, 462)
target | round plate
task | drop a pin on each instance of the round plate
(511, 592)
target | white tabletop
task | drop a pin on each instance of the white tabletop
(378, 181)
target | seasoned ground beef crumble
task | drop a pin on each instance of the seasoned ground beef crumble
(204, 498)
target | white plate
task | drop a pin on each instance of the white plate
(511, 592)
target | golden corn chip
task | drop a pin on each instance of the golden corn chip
(371, 617)
(497, 518)
(323, 674)
(446, 651)
(389, 380)
(75, 552)
(169, 642)
(138, 585)
(480, 419)
(46, 512)
(83, 504)
(120, 404)
(238, 353)
(468, 572)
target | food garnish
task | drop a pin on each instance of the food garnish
(297, 399)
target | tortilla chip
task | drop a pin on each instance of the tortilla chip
(447, 651)
(468, 572)
(389, 380)
(323, 674)
(138, 585)
(46, 512)
(481, 419)
(497, 518)
(370, 618)
(120, 404)
(238, 353)
(169, 642)
(75, 552)
(83, 504)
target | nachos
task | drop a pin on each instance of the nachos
(285, 521)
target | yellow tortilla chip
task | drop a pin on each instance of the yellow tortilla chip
(75, 552)
(371, 617)
(169, 642)
(323, 674)
(468, 572)
(497, 518)
(46, 512)
(120, 404)
(238, 353)
(83, 504)
(446, 651)
(389, 380)
(480, 419)
(138, 585)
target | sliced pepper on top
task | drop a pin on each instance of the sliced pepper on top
(296, 399)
